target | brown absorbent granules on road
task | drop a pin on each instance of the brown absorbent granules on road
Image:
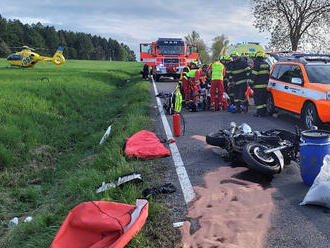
(229, 212)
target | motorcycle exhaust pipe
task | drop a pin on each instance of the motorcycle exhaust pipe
(274, 149)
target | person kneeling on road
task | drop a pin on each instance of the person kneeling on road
(194, 87)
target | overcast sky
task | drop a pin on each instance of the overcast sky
(133, 22)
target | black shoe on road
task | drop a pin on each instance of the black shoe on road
(163, 189)
(260, 115)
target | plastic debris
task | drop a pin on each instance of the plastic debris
(106, 134)
(13, 222)
(28, 219)
(319, 193)
(177, 224)
(105, 186)
(137, 177)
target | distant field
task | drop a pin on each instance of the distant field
(51, 121)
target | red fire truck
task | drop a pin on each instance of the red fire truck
(167, 56)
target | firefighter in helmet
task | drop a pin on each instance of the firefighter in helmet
(239, 77)
(259, 82)
(225, 60)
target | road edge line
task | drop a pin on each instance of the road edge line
(187, 189)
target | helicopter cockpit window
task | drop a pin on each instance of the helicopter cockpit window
(14, 57)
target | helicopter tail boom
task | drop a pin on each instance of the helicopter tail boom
(57, 59)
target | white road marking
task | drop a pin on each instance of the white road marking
(187, 189)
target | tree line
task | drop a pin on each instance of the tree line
(77, 45)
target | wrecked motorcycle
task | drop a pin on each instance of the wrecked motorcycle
(263, 151)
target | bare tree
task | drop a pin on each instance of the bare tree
(219, 43)
(194, 38)
(291, 21)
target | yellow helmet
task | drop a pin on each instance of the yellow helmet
(252, 54)
(226, 57)
(260, 54)
(234, 54)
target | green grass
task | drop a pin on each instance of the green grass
(51, 121)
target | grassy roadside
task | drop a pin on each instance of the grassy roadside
(51, 120)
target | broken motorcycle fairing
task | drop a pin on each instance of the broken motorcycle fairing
(131, 177)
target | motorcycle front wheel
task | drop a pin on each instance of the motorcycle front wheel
(217, 139)
(255, 158)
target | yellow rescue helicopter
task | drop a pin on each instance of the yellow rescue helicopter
(28, 57)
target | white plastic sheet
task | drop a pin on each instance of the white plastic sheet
(319, 193)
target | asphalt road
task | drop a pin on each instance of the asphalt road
(291, 225)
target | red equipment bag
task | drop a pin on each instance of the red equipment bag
(101, 224)
(145, 145)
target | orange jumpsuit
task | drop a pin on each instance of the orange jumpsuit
(217, 92)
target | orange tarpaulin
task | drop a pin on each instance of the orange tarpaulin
(101, 224)
(145, 145)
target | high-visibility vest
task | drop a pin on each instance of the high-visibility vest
(184, 74)
(192, 73)
(217, 71)
(178, 101)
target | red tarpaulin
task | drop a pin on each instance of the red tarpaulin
(145, 145)
(101, 224)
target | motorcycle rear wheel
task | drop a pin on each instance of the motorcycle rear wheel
(257, 160)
